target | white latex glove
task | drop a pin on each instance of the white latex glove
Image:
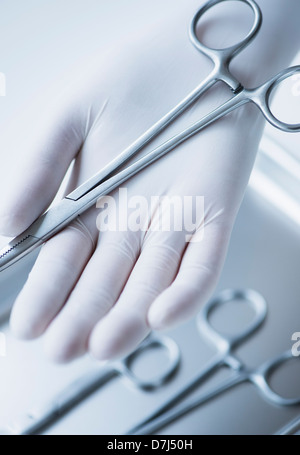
(103, 292)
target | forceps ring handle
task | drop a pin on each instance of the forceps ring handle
(261, 379)
(226, 343)
(152, 342)
(223, 57)
(262, 97)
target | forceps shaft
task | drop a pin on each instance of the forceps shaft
(185, 391)
(108, 179)
(38, 419)
(170, 416)
(130, 152)
(290, 429)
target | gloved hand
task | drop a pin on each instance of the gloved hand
(104, 291)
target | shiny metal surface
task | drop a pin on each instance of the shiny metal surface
(291, 428)
(225, 345)
(36, 420)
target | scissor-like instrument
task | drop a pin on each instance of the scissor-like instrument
(179, 405)
(36, 420)
(114, 174)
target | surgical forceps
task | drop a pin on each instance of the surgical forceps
(225, 345)
(112, 175)
(37, 420)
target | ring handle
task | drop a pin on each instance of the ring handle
(261, 379)
(227, 342)
(261, 97)
(152, 342)
(224, 56)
